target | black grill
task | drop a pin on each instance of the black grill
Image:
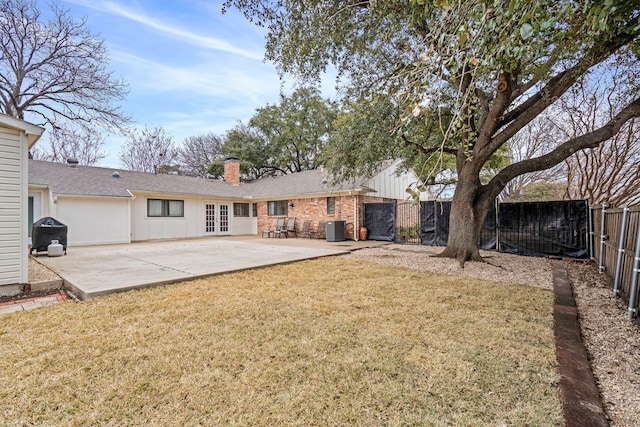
(45, 230)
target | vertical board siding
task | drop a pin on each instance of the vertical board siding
(11, 250)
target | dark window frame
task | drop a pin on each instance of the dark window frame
(165, 208)
(240, 210)
(278, 208)
(331, 205)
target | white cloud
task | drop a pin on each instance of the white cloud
(140, 17)
(216, 78)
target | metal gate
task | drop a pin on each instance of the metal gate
(407, 223)
(393, 222)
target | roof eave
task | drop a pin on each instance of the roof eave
(31, 131)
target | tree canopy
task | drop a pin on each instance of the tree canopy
(493, 66)
(83, 144)
(197, 152)
(282, 138)
(149, 150)
(54, 70)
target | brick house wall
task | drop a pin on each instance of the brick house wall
(315, 210)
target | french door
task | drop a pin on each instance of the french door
(216, 219)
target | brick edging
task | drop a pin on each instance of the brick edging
(581, 403)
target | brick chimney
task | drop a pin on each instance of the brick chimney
(232, 170)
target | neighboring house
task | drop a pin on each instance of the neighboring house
(16, 138)
(107, 205)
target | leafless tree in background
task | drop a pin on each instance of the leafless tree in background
(149, 150)
(609, 173)
(82, 144)
(53, 71)
(198, 152)
(539, 137)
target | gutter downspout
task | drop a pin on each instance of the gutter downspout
(355, 218)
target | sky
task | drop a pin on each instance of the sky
(190, 69)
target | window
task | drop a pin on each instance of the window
(331, 205)
(165, 208)
(241, 210)
(278, 208)
(255, 209)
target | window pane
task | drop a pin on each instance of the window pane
(176, 208)
(154, 207)
(255, 209)
(241, 209)
(278, 208)
(165, 208)
(331, 205)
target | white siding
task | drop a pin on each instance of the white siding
(94, 220)
(145, 228)
(241, 226)
(13, 189)
(190, 226)
(390, 185)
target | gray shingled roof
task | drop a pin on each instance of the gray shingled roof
(302, 183)
(97, 181)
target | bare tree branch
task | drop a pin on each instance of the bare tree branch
(56, 69)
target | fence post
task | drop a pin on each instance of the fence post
(623, 232)
(592, 252)
(603, 237)
(633, 294)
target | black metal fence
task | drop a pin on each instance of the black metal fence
(434, 217)
(544, 228)
(532, 229)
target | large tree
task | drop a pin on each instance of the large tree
(250, 146)
(502, 63)
(297, 129)
(149, 150)
(537, 138)
(53, 71)
(83, 144)
(607, 173)
(198, 152)
(282, 138)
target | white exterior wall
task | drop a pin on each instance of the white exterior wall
(392, 186)
(245, 225)
(145, 228)
(13, 207)
(94, 220)
(151, 228)
(190, 226)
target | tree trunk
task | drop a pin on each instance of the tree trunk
(468, 212)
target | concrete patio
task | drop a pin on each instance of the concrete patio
(92, 271)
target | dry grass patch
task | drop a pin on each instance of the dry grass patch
(324, 342)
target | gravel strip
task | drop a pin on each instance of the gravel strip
(500, 267)
(613, 342)
(39, 273)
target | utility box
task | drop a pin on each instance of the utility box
(335, 231)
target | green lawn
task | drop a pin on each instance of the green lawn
(329, 342)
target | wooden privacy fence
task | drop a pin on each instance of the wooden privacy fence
(614, 244)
